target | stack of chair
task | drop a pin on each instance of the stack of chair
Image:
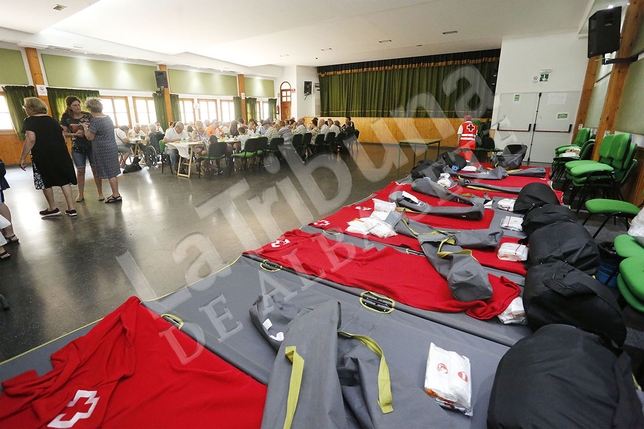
(587, 178)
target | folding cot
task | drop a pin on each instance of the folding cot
(215, 312)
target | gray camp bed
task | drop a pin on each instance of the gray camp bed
(215, 311)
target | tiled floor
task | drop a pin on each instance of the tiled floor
(168, 232)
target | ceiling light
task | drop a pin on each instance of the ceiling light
(384, 41)
(450, 32)
(60, 7)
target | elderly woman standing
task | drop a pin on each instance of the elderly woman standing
(100, 132)
(52, 165)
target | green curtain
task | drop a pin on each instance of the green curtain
(15, 96)
(272, 108)
(251, 108)
(57, 99)
(176, 107)
(238, 107)
(159, 109)
(433, 86)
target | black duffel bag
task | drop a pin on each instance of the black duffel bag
(427, 168)
(563, 377)
(534, 195)
(545, 215)
(556, 292)
(564, 241)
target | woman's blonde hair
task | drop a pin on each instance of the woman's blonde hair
(35, 105)
(94, 105)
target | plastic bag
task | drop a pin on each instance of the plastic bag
(636, 229)
(448, 379)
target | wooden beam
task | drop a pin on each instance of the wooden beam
(242, 90)
(166, 94)
(632, 22)
(586, 93)
(36, 72)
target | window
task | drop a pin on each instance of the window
(144, 112)
(117, 108)
(187, 110)
(261, 110)
(227, 110)
(5, 119)
(208, 110)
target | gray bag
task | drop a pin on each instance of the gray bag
(474, 212)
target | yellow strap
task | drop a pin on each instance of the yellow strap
(460, 252)
(384, 381)
(294, 385)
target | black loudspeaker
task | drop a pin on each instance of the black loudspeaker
(162, 78)
(604, 31)
(308, 87)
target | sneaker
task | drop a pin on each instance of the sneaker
(48, 213)
(71, 213)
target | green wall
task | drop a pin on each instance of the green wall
(12, 71)
(629, 116)
(193, 82)
(72, 72)
(256, 87)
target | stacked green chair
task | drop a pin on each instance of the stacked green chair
(558, 167)
(606, 175)
(626, 246)
(611, 209)
(583, 136)
(629, 281)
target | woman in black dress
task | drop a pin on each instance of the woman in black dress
(51, 163)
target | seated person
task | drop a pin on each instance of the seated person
(300, 128)
(199, 134)
(324, 128)
(120, 135)
(136, 133)
(349, 127)
(175, 135)
(335, 128)
(243, 136)
(155, 136)
(285, 132)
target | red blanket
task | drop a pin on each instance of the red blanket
(134, 370)
(407, 278)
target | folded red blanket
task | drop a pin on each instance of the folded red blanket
(406, 278)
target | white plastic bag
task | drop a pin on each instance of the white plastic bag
(637, 228)
(448, 379)
(514, 314)
(514, 252)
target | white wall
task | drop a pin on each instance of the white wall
(522, 59)
(306, 105)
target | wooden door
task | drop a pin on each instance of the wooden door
(285, 100)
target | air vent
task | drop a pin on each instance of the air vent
(327, 49)
(60, 7)
(384, 41)
(450, 32)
